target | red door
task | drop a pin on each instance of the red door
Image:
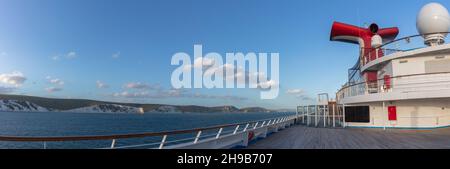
(392, 113)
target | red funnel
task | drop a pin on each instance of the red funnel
(362, 36)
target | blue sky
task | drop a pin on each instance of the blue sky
(115, 50)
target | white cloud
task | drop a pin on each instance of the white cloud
(116, 55)
(101, 85)
(15, 78)
(53, 89)
(71, 55)
(127, 94)
(240, 75)
(299, 93)
(200, 62)
(268, 84)
(55, 81)
(56, 57)
(205, 62)
(305, 97)
(294, 91)
(140, 86)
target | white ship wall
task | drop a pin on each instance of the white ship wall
(420, 113)
(421, 64)
(386, 70)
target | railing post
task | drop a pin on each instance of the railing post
(384, 118)
(343, 115)
(334, 115)
(350, 90)
(45, 145)
(113, 143)
(246, 126)
(303, 115)
(236, 129)
(218, 133)
(307, 116)
(256, 124)
(264, 122)
(163, 141)
(198, 136)
(316, 113)
(325, 112)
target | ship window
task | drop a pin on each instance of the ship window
(358, 114)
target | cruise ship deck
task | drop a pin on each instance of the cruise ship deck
(302, 137)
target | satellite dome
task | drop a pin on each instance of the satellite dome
(433, 18)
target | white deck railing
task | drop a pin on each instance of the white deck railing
(439, 81)
(322, 115)
(214, 137)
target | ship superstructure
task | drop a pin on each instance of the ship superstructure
(402, 83)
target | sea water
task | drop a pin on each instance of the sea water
(82, 124)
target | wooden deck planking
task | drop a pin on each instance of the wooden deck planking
(299, 137)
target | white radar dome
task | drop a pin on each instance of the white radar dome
(376, 41)
(433, 18)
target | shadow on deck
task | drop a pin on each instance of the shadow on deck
(302, 137)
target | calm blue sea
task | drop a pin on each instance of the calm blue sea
(76, 124)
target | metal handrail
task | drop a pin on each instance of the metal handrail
(394, 77)
(121, 136)
(383, 47)
(408, 37)
(158, 143)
